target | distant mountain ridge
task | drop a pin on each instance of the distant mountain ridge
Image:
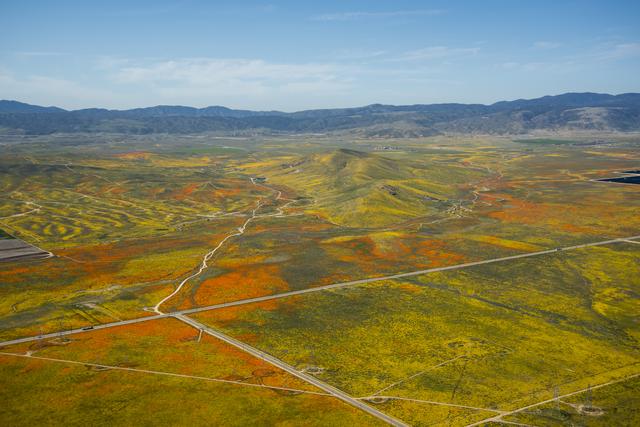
(20, 107)
(7, 106)
(586, 111)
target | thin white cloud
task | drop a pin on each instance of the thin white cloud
(35, 54)
(216, 71)
(560, 67)
(601, 53)
(509, 65)
(358, 54)
(209, 81)
(46, 90)
(436, 53)
(344, 77)
(618, 51)
(545, 45)
(352, 16)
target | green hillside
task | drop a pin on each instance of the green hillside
(359, 189)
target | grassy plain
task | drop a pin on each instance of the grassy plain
(614, 405)
(133, 374)
(129, 218)
(45, 393)
(165, 345)
(494, 337)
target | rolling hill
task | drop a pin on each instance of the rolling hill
(364, 189)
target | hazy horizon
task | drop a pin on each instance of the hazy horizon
(293, 111)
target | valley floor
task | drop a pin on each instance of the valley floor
(317, 281)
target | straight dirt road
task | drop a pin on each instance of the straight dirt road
(498, 418)
(317, 289)
(161, 373)
(293, 371)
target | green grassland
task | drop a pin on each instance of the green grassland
(514, 202)
(128, 221)
(615, 405)
(100, 283)
(44, 393)
(79, 204)
(365, 189)
(544, 141)
(493, 337)
(129, 217)
(131, 374)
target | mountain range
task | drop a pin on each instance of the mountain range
(569, 111)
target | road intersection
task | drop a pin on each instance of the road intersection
(312, 290)
(359, 403)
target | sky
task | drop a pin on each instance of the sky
(294, 55)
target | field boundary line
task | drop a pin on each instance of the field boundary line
(553, 399)
(333, 391)
(430, 402)
(410, 377)
(163, 373)
(399, 276)
(312, 290)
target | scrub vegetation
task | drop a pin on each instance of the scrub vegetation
(144, 225)
(495, 337)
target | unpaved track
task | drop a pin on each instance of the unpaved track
(430, 402)
(498, 418)
(204, 265)
(169, 374)
(409, 378)
(205, 260)
(293, 371)
(400, 275)
(311, 290)
(181, 315)
(85, 329)
(36, 210)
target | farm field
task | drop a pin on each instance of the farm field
(519, 279)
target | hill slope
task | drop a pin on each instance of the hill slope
(361, 189)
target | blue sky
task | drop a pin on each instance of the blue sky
(298, 55)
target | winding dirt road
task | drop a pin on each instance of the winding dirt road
(207, 257)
